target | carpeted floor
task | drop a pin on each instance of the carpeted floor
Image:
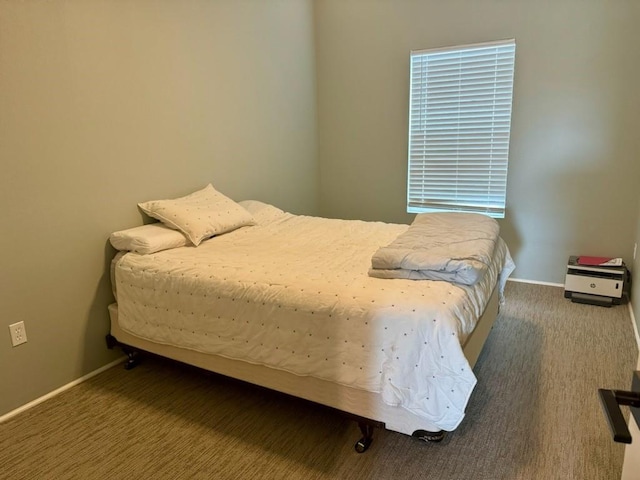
(534, 414)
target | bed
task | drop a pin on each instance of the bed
(293, 303)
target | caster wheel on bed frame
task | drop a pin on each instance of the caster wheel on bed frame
(365, 442)
(133, 359)
(133, 356)
(426, 436)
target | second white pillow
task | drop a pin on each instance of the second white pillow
(150, 238)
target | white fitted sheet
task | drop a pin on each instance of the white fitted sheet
(294, 294)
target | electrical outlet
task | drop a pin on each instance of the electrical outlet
(18, 334)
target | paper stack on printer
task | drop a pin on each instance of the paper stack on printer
(600, 261)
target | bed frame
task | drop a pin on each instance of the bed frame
(364, 407)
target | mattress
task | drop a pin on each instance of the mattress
(293, 293)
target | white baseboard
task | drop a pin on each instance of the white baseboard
(49, 395)
(535, 282)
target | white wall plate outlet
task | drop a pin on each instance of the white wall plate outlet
(18, 334)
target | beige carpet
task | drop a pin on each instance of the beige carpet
(535, 414)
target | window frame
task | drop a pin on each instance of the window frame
(459, 134)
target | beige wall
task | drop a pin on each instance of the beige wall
(104, 104)
(575, 149)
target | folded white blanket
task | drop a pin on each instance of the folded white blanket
(455, 247)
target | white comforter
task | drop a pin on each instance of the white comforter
(454, 247)
(293, 293)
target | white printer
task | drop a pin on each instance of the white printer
(603, 285)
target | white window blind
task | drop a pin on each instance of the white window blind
(459, 124)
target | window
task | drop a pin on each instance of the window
(459, 124)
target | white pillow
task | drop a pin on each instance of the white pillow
(200, 215)
(148, 239)
(262, 213)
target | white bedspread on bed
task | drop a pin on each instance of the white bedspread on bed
(454, 247)
(293, 293)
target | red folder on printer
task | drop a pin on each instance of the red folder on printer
(601, 261)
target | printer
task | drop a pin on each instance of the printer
(603, 284)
